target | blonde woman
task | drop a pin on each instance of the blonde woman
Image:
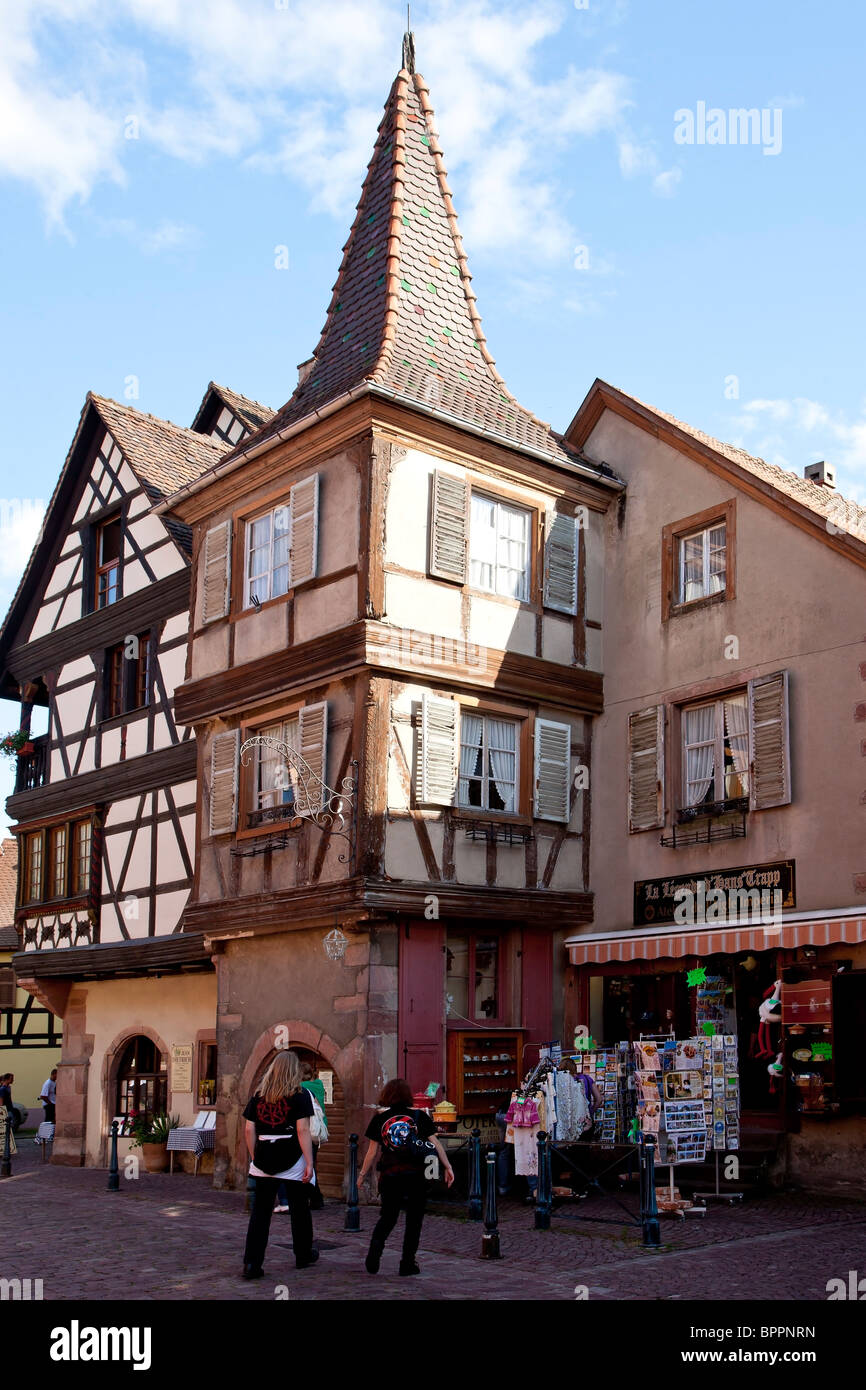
(281, 1151)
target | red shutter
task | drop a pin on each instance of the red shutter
(537, 987)
(421, 1032)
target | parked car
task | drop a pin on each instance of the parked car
(19, 1116)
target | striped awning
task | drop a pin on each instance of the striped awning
(728, 938)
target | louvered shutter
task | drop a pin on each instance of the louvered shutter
(552, 770)
(438, 753)
(769, 742)
(313, 741)
(217, 572)
(646, 769)
(224, 782)
(449, 527)
(305, 530)
(560, 563)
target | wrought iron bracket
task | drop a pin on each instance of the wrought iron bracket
(312, 802)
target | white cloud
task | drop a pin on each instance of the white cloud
(801, 431)
(665, 184)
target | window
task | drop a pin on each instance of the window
(488, 762)
(82, 839)
(280, 545)
(57, 862)
(716, 750)
(8, 987)
(33, 867)
(698, 559)
(472, 977)
(109, 544)
(701, 564)
(142, 1080)
(127, 672)
(275, 783)
(499, 539)
(207, 1073)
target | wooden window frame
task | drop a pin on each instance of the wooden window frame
(680, 803)
(725, 513)
(73, 897)
(33, 838)
(242, 518)
(485, 777)
(134, 681)
(75, 858)
(532, 513)
(203, 1040)
(100, 569)
(53, 832)
(503, 977)
(249, 771)
(525, 720)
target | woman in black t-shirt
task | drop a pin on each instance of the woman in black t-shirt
(404, 1140)
(281, 1150)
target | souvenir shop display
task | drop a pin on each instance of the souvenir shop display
(483, 1069)
(710, 1004)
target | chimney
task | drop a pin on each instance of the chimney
(304, 369)
(823, 474)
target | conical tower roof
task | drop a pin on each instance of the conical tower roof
(402, 319)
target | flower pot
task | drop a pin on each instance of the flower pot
(25, 749)
(155, 1157)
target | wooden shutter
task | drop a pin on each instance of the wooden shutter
(646, 730)
(769, 742)
(224, 782)
(438, 753)
(7, 987)
(552, 770)
(313, 741)
(449, 527)
(303, 546)
(560, 563)
(217, 572)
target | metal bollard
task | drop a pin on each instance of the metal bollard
(475, 1176)
(490, 1239)
(649, 1208)
(113, 1168)
(353, 1209)
(6, 1163)
(544, 1195)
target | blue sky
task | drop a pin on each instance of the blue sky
(251, 123)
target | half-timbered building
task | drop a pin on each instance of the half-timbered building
(393, 675)
(104, 798)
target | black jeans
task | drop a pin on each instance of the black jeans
(260, 1221)
(410, 1188)
(49, 1111)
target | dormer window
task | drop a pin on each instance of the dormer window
(109, 546)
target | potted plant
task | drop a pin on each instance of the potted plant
(151, 1136)
(16, 744)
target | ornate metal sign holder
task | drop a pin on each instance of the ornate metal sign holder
(312, 801)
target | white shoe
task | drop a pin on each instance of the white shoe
(281, 1209)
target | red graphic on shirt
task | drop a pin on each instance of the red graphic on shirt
(273, 1113)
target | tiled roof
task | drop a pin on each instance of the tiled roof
(251, 413)
(842, 513)
(8, 888)
(403, 316)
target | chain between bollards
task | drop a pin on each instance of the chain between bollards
(6, 1162)
(649, 1212)
(544, 1193)
(475, 1176)
(113, 1168)
(353, 1209)
(490, 1240)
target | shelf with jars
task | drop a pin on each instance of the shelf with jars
(483, 1068)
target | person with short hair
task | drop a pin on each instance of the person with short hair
(48, 1096)
(397, 1135)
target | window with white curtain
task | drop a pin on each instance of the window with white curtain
(275, 780)
(716, 750)
(488, 762)
(499, 539)
(702, 558)
(267, 546)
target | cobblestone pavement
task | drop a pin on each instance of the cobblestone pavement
(173, 1237)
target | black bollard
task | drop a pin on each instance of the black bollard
(475, 1176)
(6, 1162)
(649, 1208)
(490, 1240)
(113, 1169)
(544, 1195)
(353, 1209)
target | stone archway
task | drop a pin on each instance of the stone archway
(322, 1052)
(108, 1081)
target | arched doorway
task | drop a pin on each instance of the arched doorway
(141, 1085)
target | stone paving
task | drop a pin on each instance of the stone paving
(173, 1237)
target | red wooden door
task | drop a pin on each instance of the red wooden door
(421, 1007)
(537, 986)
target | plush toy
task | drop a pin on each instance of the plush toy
(769, 1012)
(775, 1069)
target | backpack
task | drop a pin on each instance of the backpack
(400, 1138)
